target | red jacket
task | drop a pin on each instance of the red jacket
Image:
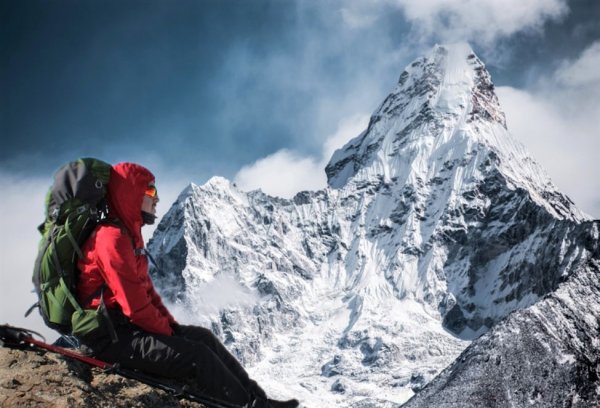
(110, 256)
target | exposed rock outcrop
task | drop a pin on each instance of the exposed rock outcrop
(29, 378)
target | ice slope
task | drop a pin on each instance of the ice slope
(435, 225)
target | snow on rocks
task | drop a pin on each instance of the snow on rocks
(436, 224)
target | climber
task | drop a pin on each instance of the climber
(139, 331)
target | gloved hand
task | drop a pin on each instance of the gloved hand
(176, 329)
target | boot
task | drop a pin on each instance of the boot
(259, 403)
(291, 403)
(270, 403)
(256, 390)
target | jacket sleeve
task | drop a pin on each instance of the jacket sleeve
(157, 302)
(116, 259)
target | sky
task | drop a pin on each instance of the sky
(262, 92)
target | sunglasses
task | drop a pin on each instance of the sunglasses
(151, 191)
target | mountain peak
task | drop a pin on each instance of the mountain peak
(442, 112)
(219, 182)
(443, 97)
(465, 77)
(436, 225)
(450, 79)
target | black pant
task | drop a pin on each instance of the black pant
(192, 353)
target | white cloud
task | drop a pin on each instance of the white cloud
(285, 173)
(359, 15)
(480, 21)
(584, 71)
(348, 128)
(22, 211)
(209, 298)
(282, 174)
(559, 122)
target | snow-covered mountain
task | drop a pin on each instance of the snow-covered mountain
(547, 355)
(435, 225)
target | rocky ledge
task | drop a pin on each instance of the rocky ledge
(37, 379)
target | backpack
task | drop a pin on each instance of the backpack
(75, 205)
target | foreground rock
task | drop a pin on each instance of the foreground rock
(37, 379)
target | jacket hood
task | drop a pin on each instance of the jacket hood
(126, 189)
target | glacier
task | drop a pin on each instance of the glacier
(436, 224)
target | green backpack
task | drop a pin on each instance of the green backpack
(75, 205)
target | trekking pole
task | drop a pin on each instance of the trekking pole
(68, 353)
(18, 337)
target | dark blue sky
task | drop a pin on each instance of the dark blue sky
(209, 86)
(105, 77)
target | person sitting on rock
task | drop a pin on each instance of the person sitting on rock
(144, 335)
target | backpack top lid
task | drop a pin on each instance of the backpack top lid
(76, 184)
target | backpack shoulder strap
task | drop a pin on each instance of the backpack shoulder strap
(114, 221)
(118, 223)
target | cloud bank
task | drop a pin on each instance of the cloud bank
(479, 21)
(558, 119)
(582, 72)
(22, 211)
(285, 172)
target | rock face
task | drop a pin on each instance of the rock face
(36, 379)
(543, 356)
(436, 224)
